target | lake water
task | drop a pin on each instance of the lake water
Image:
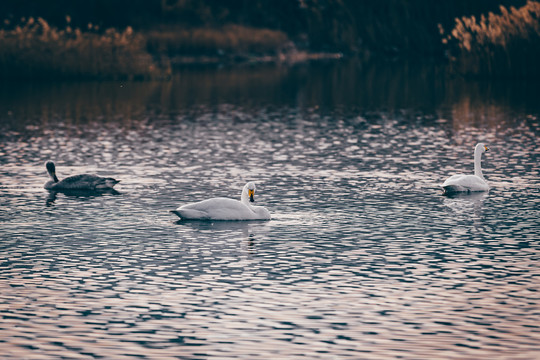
(363, 257)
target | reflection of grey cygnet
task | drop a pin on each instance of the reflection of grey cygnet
(469, 183)
(82, 182)
(225, 209)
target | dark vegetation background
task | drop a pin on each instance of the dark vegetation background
(325, 25)
(228, 29)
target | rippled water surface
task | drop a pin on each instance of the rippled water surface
(363, 257)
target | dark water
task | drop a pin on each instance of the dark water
(363, 257)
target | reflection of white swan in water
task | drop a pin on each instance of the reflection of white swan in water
(468, 183)
(242, 226)
(225, 209)
(82, 182)
(466, 203)
(227, 229)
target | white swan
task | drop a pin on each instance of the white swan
(82, 182)
(225, 208)
(468, 183)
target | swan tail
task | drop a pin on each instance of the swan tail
(111, 182)
(452, 189)
(107, 183)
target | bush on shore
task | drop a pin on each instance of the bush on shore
(199, 31)
(226, 40)
(34, 49)
(505, 45)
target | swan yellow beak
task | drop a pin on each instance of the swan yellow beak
(486, 148)
(251, 193)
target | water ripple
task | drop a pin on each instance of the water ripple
(363, 257)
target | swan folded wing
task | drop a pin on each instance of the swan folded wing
(217, 209)
(464, 183)
(262, 213)
(192, 214)
(85, 182)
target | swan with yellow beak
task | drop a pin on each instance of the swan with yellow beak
(221, 208)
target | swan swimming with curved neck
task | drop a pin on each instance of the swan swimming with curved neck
(82, 182)
(221, 208)
(469, 183)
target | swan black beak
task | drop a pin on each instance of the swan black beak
(486, 148)
(251, 193)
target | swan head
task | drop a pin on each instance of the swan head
(248, 192)
(51, 169)
(482, 147)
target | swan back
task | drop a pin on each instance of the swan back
(82, 182)
(469, 183)
(225, 209)
(464, 183)
(85, 182)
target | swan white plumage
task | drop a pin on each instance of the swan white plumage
(82, 182)
(469, 183)
(225, 209)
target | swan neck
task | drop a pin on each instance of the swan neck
(478, 162)
(245, 199)
(53, 177)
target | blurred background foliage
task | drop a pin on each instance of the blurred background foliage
(226, 29)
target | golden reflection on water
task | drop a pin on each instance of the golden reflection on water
(322, 86)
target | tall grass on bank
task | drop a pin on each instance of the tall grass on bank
(505, 45)
(404, 27)
(34, 49)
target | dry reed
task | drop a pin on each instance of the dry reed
(226, 40)
(505, 45)
(34, 49)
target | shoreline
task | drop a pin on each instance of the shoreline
(492, 47)
(182, 61)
